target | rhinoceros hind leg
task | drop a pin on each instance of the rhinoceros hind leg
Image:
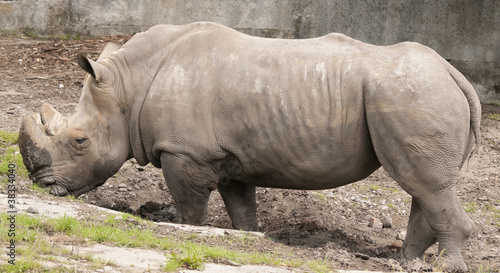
(445, 216)
(422, 146)
(452, 227)
(419, 236)
(442, 212)
(239, 199)
(190, 186)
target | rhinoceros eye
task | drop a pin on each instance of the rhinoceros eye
(80, 140)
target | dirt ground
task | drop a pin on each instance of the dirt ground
(328, 224)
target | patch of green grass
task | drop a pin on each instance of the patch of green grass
(10, 33)
(32, 244)
(110, 220)
(9, 154)
(30, 33)
(65, 224)
(192, 257)
(321, 195)
(393, 190)
(40, 189)
(493, 116)
(23, 265)
(8, 138)
(492, 213)
(470, 207)
(246, 239)
(70, 37)
(487, 268)
(321, 266)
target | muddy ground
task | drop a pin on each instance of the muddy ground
(329, 224)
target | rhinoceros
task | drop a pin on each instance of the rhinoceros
(218, 109)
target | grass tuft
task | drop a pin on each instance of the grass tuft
(9, 154)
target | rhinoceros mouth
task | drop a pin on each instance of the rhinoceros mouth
(44, 176)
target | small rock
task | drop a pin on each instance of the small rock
(368, 239)
(118, 218)
(172, 210)
(233, 264)
(386, 221)
(310, 224)
(396, 246)
(362, 256)
(132, 220)
(396, 267)
(329, 195)
(32, 210)
(417, 265)
(401, 236)
(141, 169)
(122, 187)
(375, 223)
(483, 198)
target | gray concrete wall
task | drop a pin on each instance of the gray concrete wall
(466, 32)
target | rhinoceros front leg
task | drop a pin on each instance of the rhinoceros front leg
(190, 185)
(239, 199)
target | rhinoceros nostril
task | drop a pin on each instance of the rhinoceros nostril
(43, 175)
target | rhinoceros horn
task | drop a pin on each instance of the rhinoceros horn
(53, 121)
(35, 132)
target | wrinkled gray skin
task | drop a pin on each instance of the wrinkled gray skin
(217, 109)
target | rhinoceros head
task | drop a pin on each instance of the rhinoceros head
(77, 154)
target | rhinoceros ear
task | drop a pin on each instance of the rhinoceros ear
(96, 70)
(85, 63)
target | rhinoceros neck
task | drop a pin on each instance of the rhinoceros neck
(137, 64)
(135, 86)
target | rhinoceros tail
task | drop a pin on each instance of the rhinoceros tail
(474, 108)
